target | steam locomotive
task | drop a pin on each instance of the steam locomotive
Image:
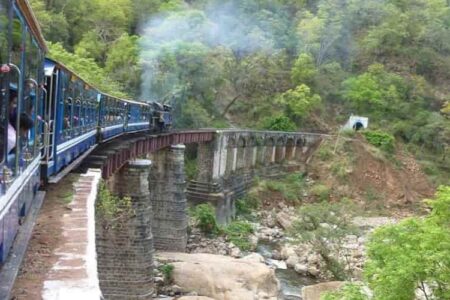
(66, 117)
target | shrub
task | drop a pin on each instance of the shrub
(339, 168)
(110, 207)
(350, 291)
(191, 168)
(321, 191)
(290, 187)
(380, 139)
(205, 217)
(238, 233)
(246, 204)
(167, 271)
(324, 153)
(279, 123)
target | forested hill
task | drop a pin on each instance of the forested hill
(279, 64)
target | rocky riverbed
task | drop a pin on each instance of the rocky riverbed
(289, 263)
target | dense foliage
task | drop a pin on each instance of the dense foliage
(411, 256)
(297, 62)
(205, 218)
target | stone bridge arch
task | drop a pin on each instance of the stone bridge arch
(269, 150)
(260, 150)
(290, 148)
(241, 147)
(231, 156)
(250, 153)
(280, 149)
(300, 148)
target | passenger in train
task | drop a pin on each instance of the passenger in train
(26, 122)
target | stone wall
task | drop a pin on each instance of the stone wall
(125, 244)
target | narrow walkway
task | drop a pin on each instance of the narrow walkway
(74, 275)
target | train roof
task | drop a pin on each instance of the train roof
(51, 64)
(32, 22)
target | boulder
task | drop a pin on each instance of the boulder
(314, 292)
(195, 298)
(301, 269)
(284, 220)
(287, 251)
(254, 257)
(222, 277)
(292, 261)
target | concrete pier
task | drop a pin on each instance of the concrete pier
(125, 244)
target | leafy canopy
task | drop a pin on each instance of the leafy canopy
(412, 254)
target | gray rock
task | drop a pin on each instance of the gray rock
(313, 271)
(292, 261)
(301, 269)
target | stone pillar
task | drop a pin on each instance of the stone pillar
(205, 162)
(168, 194)
(125, 245)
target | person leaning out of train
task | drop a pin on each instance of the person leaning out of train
(26, 122)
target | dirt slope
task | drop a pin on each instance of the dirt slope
(359, 171)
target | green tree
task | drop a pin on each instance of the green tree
(299, 101)
(374, 91)
(412, 254)
(279, 123)
(87, 69)
(122, 63)
(304, 70)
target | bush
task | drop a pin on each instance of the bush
(167, 271)
(380, 139)
(246, 204)
(320, 191)
(290, 187)
(205, 217)
(110, 207)
(279, 123)
(349, 291)
(325, 151)
(191, 168)
(238, 233)
(339, 168)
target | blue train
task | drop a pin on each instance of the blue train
(50, 117)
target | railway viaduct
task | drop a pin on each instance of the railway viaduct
(149, 171)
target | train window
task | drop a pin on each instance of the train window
(31, 92)
(68, 107)
(17, 41)
(17, 48)
(3, 76)
(76, 106)
(4, 31)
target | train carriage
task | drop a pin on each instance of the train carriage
(70, 115)
(22, 50)
(65, 117)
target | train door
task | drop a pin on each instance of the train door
(50, 103)
(126, 115)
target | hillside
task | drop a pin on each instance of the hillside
(378, 181)
(309, 63)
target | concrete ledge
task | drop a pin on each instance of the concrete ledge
(74, 275)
